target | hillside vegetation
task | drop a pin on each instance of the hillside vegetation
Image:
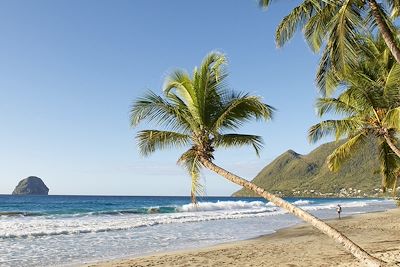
(292, 174)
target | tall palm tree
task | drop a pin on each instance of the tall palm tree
(333, 25)
(200, 112)
(370, 106)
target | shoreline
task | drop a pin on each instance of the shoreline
(300, 245)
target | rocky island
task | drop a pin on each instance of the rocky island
(31, 186)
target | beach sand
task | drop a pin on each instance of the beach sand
(377, 233)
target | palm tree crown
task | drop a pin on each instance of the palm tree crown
(198, 111)
(334, 27)
(370, 107)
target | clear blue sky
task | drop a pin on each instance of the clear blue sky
(69, 71)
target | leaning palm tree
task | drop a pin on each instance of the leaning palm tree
(333, 26)
(365, 121)
(200, 112)
(370, 107)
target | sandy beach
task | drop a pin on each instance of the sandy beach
(378, 233)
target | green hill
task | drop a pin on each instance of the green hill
(292, 174)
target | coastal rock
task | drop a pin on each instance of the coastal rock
(31, 186)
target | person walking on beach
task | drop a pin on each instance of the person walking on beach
(339, 210)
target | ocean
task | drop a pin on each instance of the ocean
(71, 230)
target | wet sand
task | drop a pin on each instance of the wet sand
(377, 233)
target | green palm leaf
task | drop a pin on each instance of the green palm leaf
(179, 85)
(337, 106)
(153, 108)
(343, 152)
(151, 140)
(392, 119)
(239, 108)
(390, 167)
(190, 161)
(338, 128)
(296, 19)
(239, 140)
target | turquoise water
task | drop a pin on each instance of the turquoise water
(62, 230)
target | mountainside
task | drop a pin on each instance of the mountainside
(292, 174)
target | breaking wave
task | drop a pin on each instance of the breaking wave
(23, 225)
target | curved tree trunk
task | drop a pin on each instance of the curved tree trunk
(392, 146)
(349, 245)
(385, 30)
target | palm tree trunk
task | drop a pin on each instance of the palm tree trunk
(392, 146)
(193, 197)
(384, 29)
(349, 245)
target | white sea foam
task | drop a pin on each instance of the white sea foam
(222, 205)
(23, 227)
(302, 202)
(46, 227)
(352, 204)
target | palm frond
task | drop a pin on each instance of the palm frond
(342, 40)
(395, 12)
(394, 6)
(151, 140)
(190, 161)
(338, 128)
(390, 166)
(314, 30)
(182, 83)
(239, 140)
(239, 108)
(326, 105)
(343, 152)
(364, 99)
(296, 19)
(392, 119)
(393, 77)
(210, 81)
(392, 86)
(153, 108)
(264, 3)
(327, 78)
